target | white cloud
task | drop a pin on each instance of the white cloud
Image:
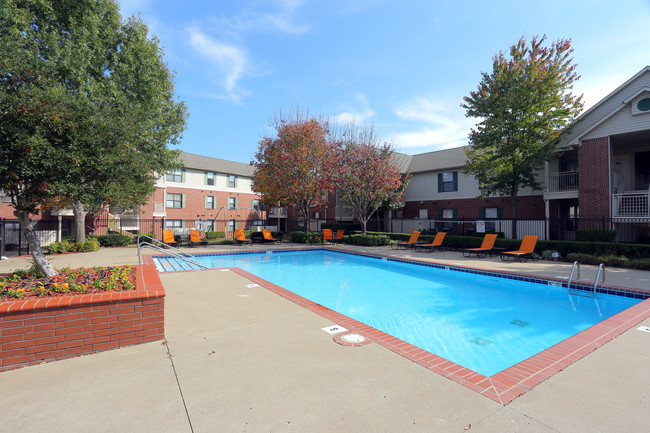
(230, 61)
(357, 115)
(433, 126)
(281, 19)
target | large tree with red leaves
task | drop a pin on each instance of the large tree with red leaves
(366, 172)
(290, 167)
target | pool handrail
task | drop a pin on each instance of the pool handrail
(181, 255)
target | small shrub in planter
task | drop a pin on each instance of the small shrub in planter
(367, 240)
(74, 247)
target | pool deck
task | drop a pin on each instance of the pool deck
(243, 359)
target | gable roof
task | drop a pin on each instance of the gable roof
(438, 160)
(606, 107)
(200, 162)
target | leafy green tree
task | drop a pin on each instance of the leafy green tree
(86, 109)
(289, 168)
(365, 173)
(523, 106)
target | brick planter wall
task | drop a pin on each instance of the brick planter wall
(47, 329)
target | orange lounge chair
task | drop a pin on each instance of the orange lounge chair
(339, 236)
(195, 238)
(268, 237)
(408, 244)
(437, 243)
(328, 235)
(168, 238)
(525, 250)
(486, 247)
(240, 237)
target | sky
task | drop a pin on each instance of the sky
(402, 66)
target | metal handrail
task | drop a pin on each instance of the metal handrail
(601, 268)
(575, 265)
(181, 255)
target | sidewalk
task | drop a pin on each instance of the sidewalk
(242, 359)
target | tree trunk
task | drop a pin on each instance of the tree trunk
(79, 221)
(34, 245)
(513, 197)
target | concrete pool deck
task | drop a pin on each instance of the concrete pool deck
(241, 358)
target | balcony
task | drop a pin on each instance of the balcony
(277, 212)
(631, 205)
(563, 184)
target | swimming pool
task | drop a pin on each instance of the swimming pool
(482, 322)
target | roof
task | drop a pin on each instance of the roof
(438, 160)
(200, 162)
(604, 109)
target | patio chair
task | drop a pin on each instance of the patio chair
(195, 238)
(408, 244)
(486, 247)
(525, 250)
(240, 237)
(339, 236)
(437, 243)
(328, 235)
(268, 237)
(168, 238)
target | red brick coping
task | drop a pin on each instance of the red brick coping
(40, 330)
(502, 387)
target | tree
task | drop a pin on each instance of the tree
(365, 173)
(523, 106)
(86, 109)
(289, 168)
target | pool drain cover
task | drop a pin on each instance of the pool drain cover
(481, 341)
(521, 323)
(353, 338)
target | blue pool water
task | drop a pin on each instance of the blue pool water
(484, 323)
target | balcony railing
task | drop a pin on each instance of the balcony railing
(562, 181)
(631, 204)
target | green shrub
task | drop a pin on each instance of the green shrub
(595, 235)
(305, 237)
(65, 246)
(113, 240)
(366, 240)
(215, 235)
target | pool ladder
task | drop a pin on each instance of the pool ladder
(600, 277)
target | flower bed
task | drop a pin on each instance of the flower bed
(38, 327)
(22, 284)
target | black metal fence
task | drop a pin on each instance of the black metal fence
(12, 241)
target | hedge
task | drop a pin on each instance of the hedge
(305, 237)
(366, 240)
(112, 240)
(610, 260)
(215, 235)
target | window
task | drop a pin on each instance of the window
(173, 224)
(210, 202)
(209, 225)
(448, 182)
(175, 200)
(448, 217)
(255, 204)
(232, 181)
(176, 176)
(209, 178)
(490, 213)
(258, 222)
(232, 225)
(232, 202)
(423, 214)
(252, 184)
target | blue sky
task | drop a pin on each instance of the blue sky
(403, 66)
